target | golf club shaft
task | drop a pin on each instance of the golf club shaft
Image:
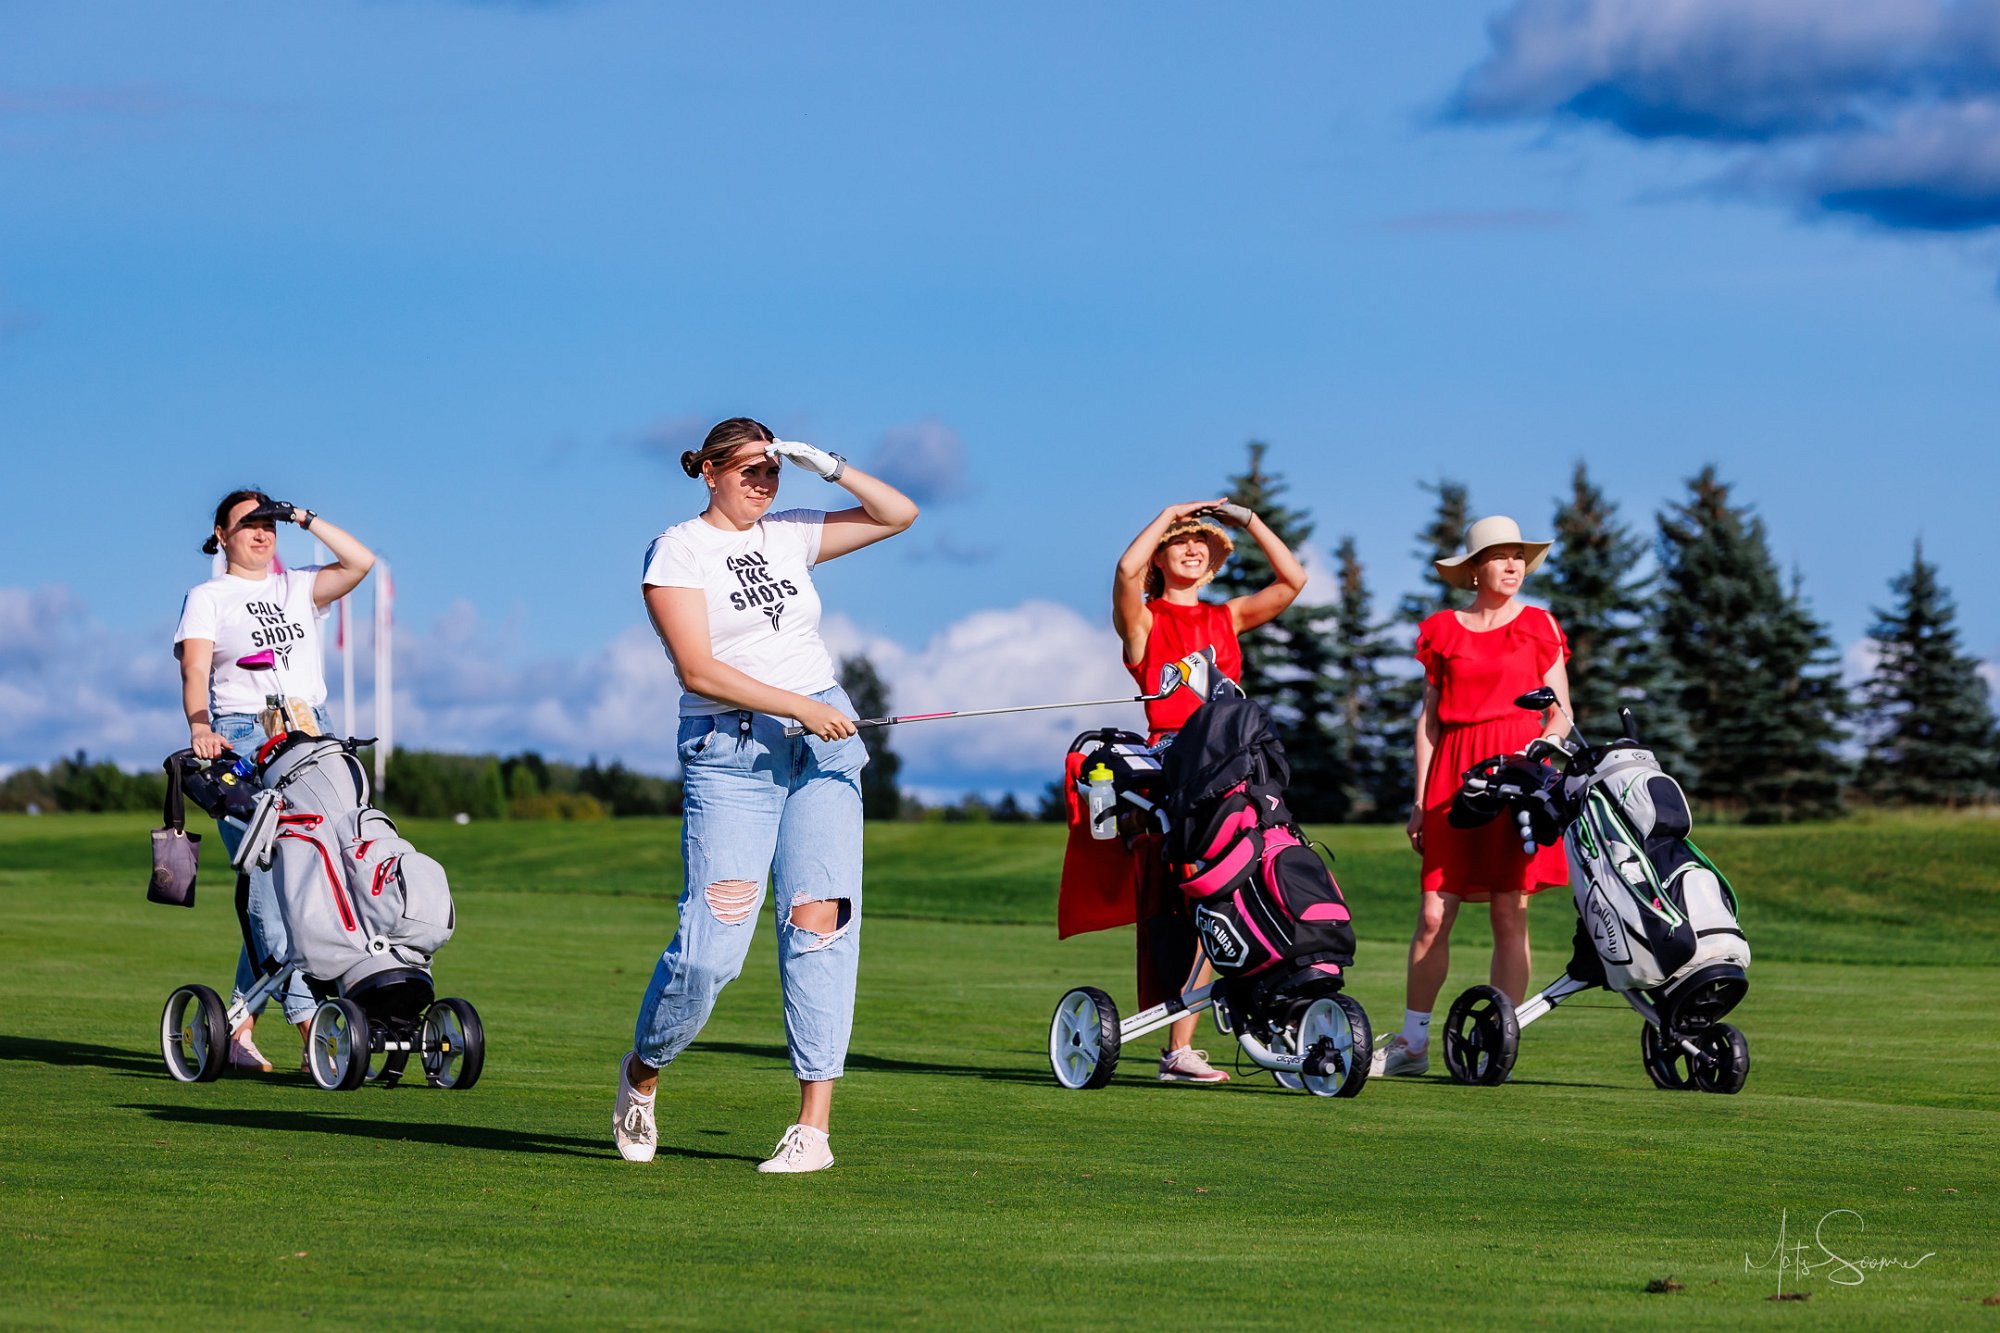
(796, 730)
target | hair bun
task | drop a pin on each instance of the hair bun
(689, 464)
(210, 547)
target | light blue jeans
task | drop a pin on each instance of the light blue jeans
(242, 734)
(760, 804)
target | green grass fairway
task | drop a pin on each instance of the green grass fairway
(971, 1190)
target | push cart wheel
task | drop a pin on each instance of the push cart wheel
(1335, 1036)
(1481, 1037)
(387, 1068)
(452, 1045)
(337, 1054)
(194, 1034)
(1083, 1039)
(1725, 1059)
(1666, 1063)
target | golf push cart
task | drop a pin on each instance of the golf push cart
(1656, 920)
(364, 911)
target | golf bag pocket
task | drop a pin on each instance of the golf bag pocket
(325, 928)
(1221, 854)
(1306, 892)
(402, 895)
(176, 852)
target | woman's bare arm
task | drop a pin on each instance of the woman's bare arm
(681, 617)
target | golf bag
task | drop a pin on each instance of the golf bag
(1264, 900)
(358, 898)
(1654, 909)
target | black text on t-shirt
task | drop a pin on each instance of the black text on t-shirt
(273, 630)
(760, 588)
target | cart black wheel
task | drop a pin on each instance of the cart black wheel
(386, 1068)
(1340, 1023)
(337, 1050)
(1725, 1059)
(1481, 1037)
(194, 1035)
(1083, 1039)
(1666, 1063)
(452, 1045)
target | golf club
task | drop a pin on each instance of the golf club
(1172, 677)
(1541, 700)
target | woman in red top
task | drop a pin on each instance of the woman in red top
(1476, 663)
(1157, 610)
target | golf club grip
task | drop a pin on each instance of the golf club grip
(796, 730)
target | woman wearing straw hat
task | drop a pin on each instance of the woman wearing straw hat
(1476, 663)
(1157, 609)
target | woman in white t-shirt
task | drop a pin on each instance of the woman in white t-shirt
(732, 596)
(247, 636)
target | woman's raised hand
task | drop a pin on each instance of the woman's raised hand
(824, 720)
(1175, 513)
(814, 460)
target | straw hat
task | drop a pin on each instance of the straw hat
(1219, 548)
(1483, 536)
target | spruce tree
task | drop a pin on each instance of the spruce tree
(1926, 708)
(1436, 540)
(1758, 679)
(1285, 663)
(1599, 596)
(880, 798)
(1376, 771)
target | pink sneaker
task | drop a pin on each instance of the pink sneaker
(1188, 1065)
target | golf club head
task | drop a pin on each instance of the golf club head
(1537, 700)
(1195, 671)
(264, 661)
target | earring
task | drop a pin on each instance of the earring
(1475, 581)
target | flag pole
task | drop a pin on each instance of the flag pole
(385, 685)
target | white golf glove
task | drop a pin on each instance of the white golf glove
(1235, 515)
(816, 461)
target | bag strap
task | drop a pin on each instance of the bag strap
(173, 809)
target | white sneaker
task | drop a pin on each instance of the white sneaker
(1189, 1066)
(802, 1149)
(632, 1127)
(243, 1052)
(1396, 1058)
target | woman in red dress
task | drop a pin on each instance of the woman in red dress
(1157, 610)
(1476, 663)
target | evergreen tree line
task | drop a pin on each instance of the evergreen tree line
(429, 784)
(1693, 627)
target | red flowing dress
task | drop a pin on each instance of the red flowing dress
(1478, 675)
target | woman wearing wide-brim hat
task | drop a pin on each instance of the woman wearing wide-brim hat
(1476, 663)
(1161, 617)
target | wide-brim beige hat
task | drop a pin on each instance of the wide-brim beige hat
(1499, 530)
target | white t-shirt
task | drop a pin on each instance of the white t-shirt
(242, 617)
(763, 611)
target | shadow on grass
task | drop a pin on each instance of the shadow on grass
(882, 1063)
(47, 1051)
(481, 1137)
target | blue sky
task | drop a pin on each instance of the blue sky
(465, 277)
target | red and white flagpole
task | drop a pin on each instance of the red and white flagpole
(385, 683)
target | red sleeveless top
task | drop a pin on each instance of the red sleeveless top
(1177, 631)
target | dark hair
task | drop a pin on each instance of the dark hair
(724, 439)
(229, 502)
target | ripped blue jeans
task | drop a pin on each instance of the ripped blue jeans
(759, 805)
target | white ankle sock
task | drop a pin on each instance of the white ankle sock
(1416, 1029)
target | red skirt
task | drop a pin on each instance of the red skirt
(1474, 864)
